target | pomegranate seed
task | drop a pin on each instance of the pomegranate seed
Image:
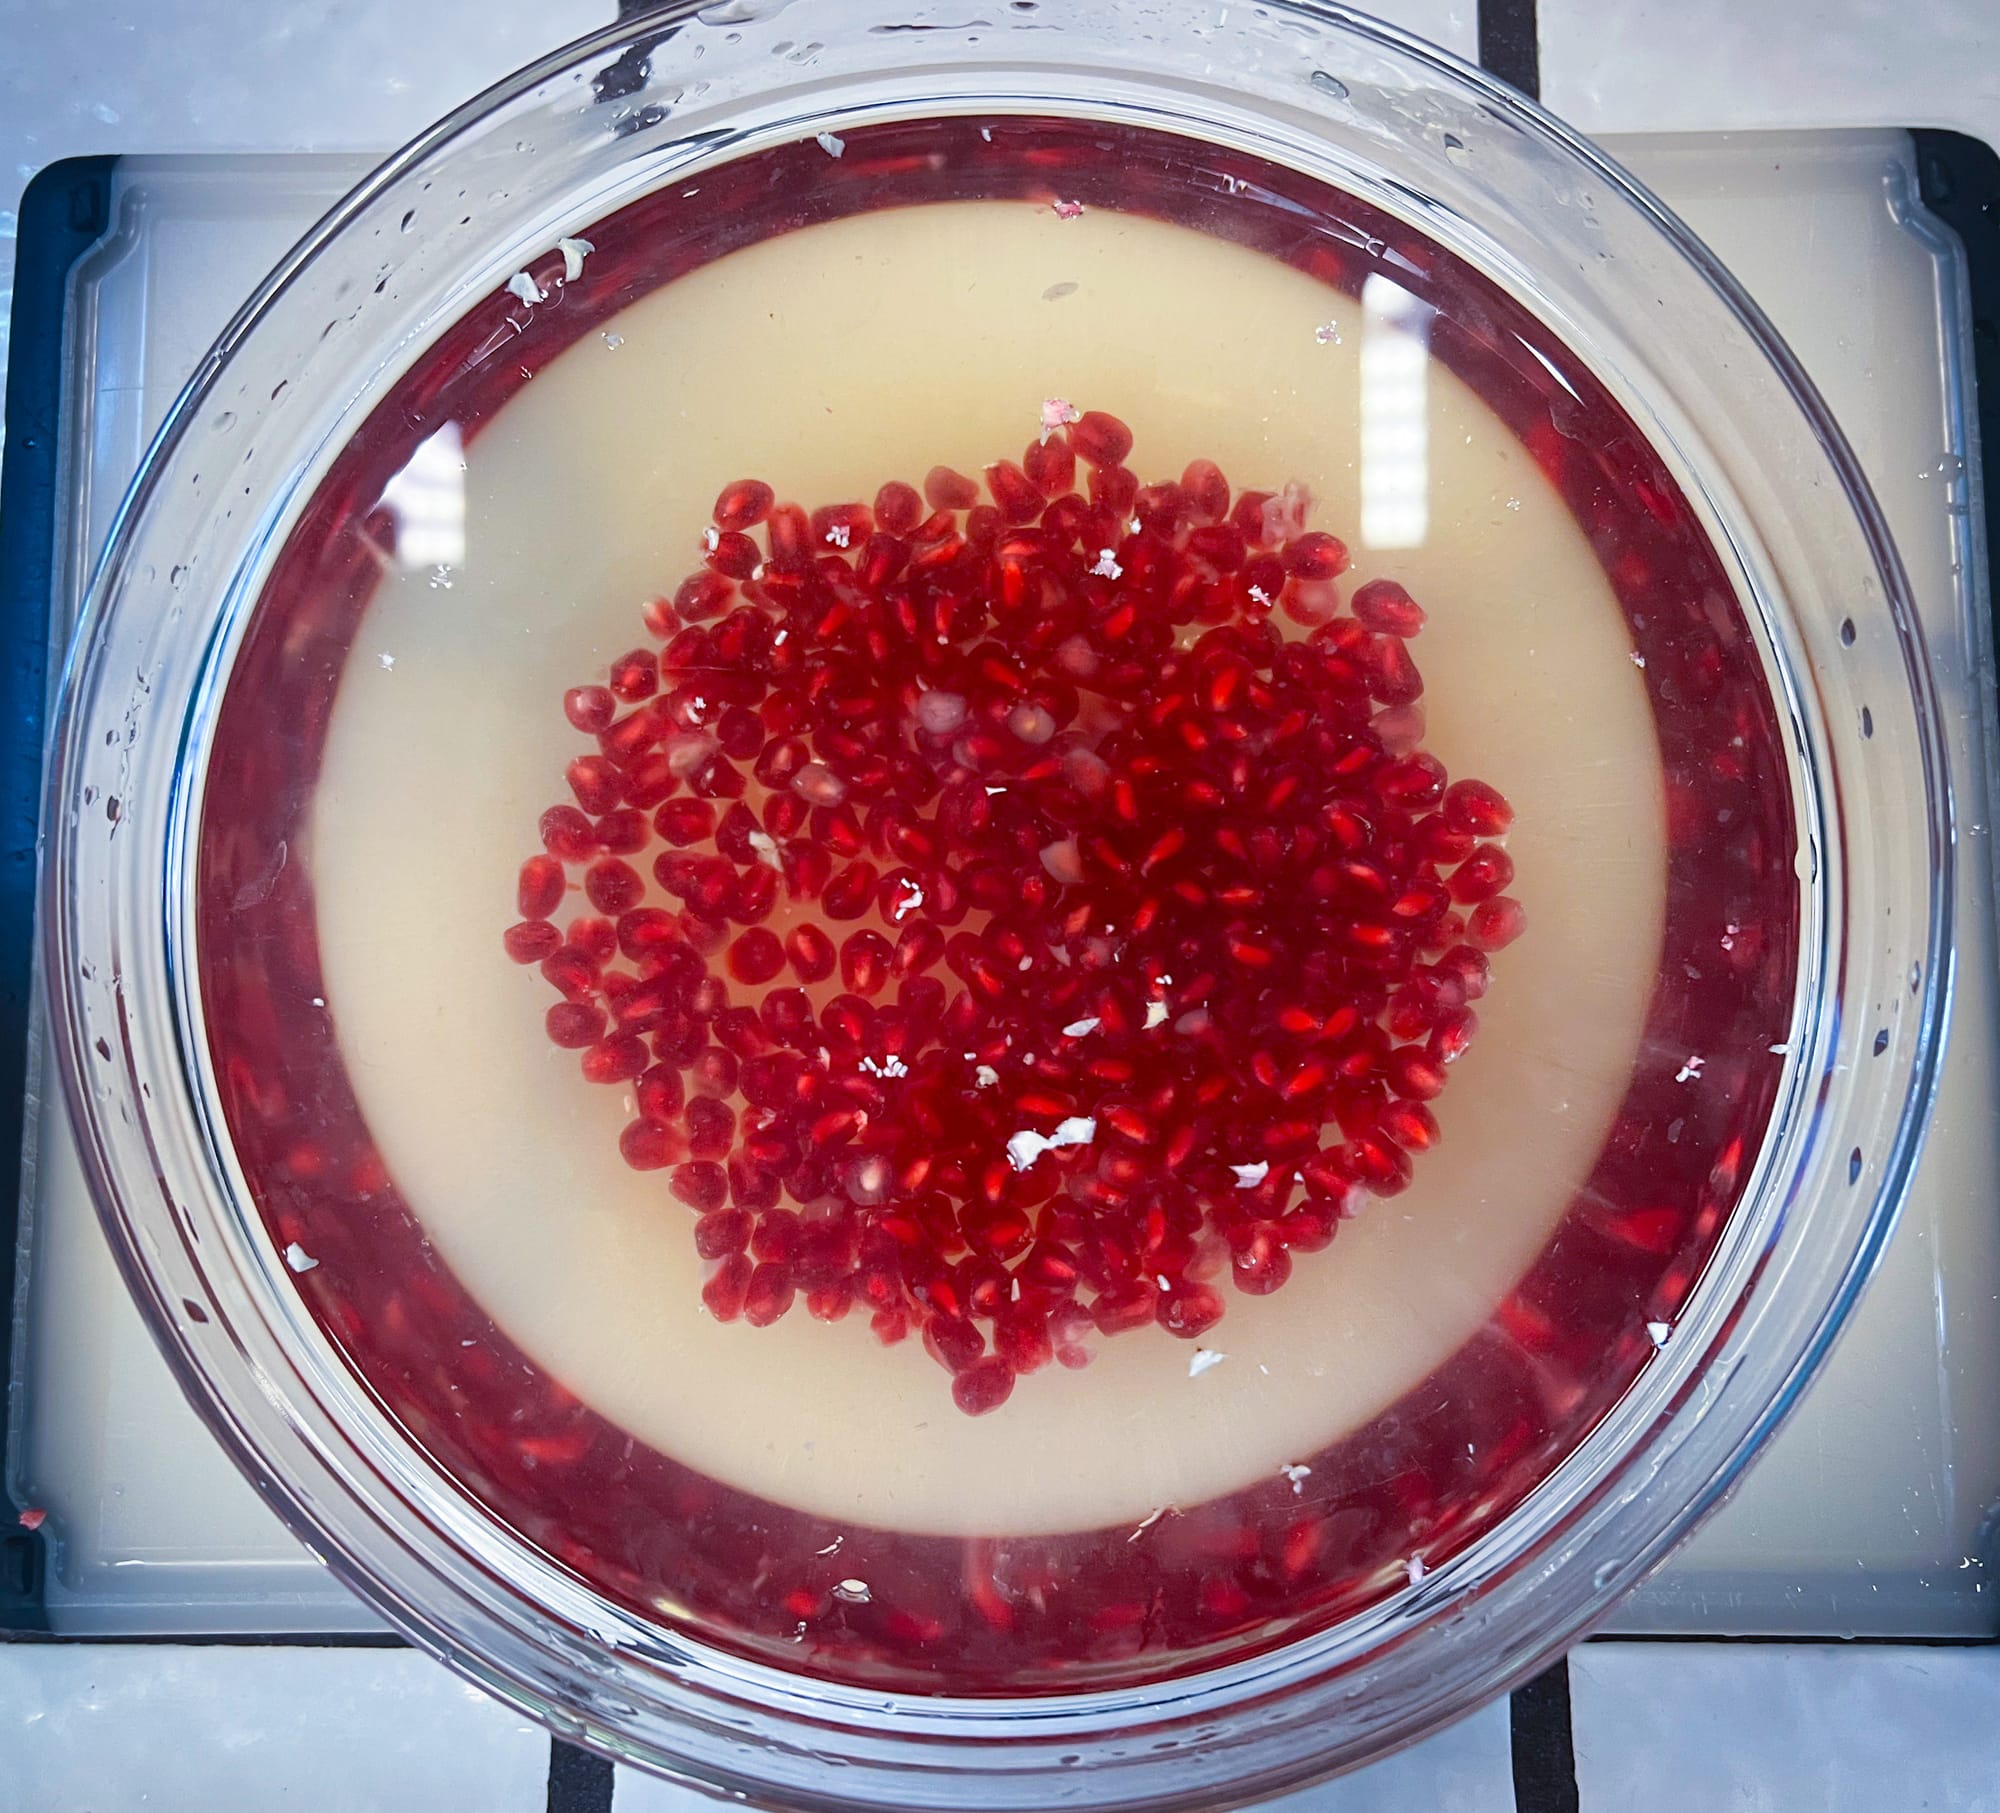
(1050, 466)
(531, 940)
(734, 556)
(1410, 1124)
(540, 888)
(567, 835)
(1018, 496)
(622, 833)
(864, 962)
(756, 956)
(1414, 1074)
(597, 784)
(1486, 872)
(661, 1093)
(648, 1146)
(685, 821)
(1263, 1266)
(1189, 1309)
(1315, 555)
(636, 675)
(1475, 808)
(617, 1060)
(983, 1386)
(724, 1294)
(1206, 491)
(744, 504)
(811, 953)
(701, 1184)
(898, 508)
(842, 525)
(1496, 923)
(850, 893)
(1382, 605)
(949, 490)
(721, 1232)
(575, 1024)
(768, 1294)
(589, 708)
(1101, 439)
(614, 886)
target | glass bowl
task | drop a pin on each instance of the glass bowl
(1645, 384)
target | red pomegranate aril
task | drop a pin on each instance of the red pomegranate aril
(756, 956)
(1392, 676)
(540, 887)
(1050, 465)
(685, 821)
(1414, 1074)
(646, 1145)
(1017, 496)
(1315, 555)
(810, 952)
(1475, 808)
(613, 886)
(616, 1060)
(1263, 1265)
(589, 708)
(1383, 605)
(1100, 438)
(710, 1126)
(1410, 1124)
(1188, 1309)
(1119, 1310)
(769, 1294)
(567, 835)
(648, 781)
(531, 940)
(714, 1072)
(864, 962)
(661, 1093)
(636, 675)
(850, 892)
(1486, 872)
(724, 1294)
(571, 974)
(721, 1232)
(898, 508)
(845, 526)
(949, 490)
(1206, 491)
(597, 784)
(983, 1386)
(702, 596)
(744, 504)
(734, 555)
(701, 1184)
(575, 1024)
(1494, 924)
(622, 833)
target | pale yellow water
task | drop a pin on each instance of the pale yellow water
(827, 361)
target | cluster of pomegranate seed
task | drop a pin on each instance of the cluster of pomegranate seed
(1037, 934)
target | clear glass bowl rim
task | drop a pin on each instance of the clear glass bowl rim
(263, 1379)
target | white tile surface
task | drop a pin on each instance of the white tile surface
(1693, 65)
(158, 1728)
(1709, 1728)
(1465, 1769)
(78, 77)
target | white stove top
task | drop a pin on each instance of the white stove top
(1868, 1516)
